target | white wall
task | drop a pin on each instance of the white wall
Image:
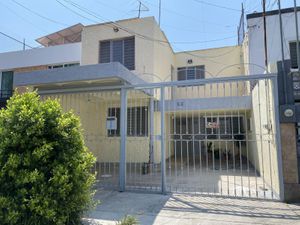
(256, 39)
(41, 56)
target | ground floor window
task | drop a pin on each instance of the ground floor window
(137, 121)
(211, 127)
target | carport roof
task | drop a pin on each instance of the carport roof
(78, 76)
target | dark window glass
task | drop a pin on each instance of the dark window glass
(137, 121)
(6, 84)
(122, 51)
(105, 52)
(118, 51)
(293, 54)
(129, 53)
(191, 73)
(114, 112)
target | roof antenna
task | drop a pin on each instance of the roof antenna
(142, 8)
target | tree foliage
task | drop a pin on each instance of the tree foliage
(44, 165)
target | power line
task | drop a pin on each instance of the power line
(186, 16)
(39, 15)
(16, 40)
(23, 18)
(207, 41)
(115, 24)
(218, 6)
(89, 12)
(78, 14)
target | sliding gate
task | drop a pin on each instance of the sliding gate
(211, 136)
(215, 137)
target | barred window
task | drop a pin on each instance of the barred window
(137, 121)
(191, 73)
(293, 55)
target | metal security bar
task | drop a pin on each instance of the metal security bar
(213, 136)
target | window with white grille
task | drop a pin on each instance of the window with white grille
(191, 72)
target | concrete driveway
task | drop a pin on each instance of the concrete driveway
(189, 209)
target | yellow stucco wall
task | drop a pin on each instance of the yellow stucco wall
(263, 149)
(93, 111)
(92, 35)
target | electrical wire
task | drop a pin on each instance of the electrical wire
(115, 24)
(23, 18)
(39, 15)
(16, 40)
(188, 16)
(218, 6)
(91, 13)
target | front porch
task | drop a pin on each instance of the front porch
(213, 136)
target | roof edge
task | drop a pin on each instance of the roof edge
(271, 13)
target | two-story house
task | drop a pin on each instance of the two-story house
(214, 134)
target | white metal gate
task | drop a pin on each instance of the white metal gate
(214, 136)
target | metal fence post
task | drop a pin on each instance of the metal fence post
(163, 153)
(123, 133)
(278, 138)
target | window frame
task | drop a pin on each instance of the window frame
(111, 55)
(195, 69)
(64, 65)
(134, 129)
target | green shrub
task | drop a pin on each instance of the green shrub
(44, 165)
(128, 220)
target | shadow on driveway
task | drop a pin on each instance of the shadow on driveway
(189, 209)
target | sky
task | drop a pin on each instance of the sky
(188, 24)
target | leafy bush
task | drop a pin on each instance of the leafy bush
(44, 164)
(128, 220)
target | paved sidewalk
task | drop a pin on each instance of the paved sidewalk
(184, 209)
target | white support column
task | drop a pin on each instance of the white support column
(123, 133)
(163, 152)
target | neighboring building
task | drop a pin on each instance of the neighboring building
(254, 40)
(288, 82)
(233, 118)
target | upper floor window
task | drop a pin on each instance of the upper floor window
(191, 73)
(63, 65)
(293, 54)
(121, 50)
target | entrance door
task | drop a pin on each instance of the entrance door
(189, 139)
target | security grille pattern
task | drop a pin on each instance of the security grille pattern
(293, 55)
(216, 138)
(137, 122)
(191, 73)
(122, 51)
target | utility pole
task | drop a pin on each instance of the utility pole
(297, 34)
(159, 15)
(265, 34)
(282, 49)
